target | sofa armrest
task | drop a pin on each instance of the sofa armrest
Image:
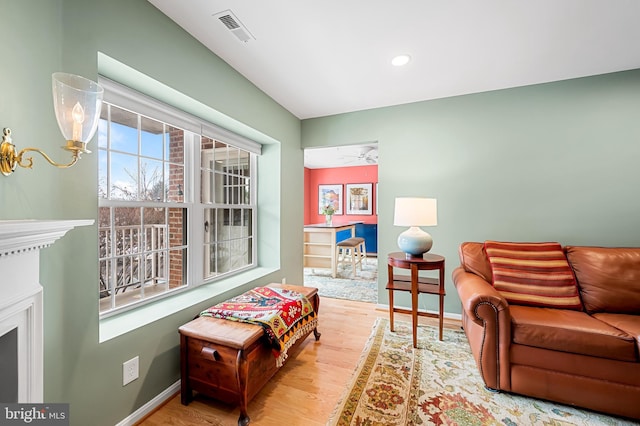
(480, 300)
(487, 324)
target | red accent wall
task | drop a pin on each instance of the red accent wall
(338, 176)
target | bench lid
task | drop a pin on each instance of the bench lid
(234, 334)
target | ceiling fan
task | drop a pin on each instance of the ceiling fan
(368, 155)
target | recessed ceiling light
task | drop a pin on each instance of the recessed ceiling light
(400, 60)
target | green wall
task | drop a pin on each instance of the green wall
(547, 162)
(550, 162)
(40, 37)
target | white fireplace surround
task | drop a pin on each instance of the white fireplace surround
(21, 294)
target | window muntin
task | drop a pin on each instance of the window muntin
(144, 206)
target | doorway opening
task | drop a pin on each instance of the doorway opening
(343, 182)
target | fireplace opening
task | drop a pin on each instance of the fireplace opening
(9, 367)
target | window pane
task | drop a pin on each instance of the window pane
(222, 257)
(247, 223)
(177, 227)
(127, 230)
(174, 140)
(102, 174)
(151, 138)
(209, 225)
(209, 228)
(103, 125)
(177, 241)
(210, 267)
(152, 186)
(207, 164)
(246, 191)
(128, 272)
(105, 241)
(104, 231)
(124, 177)
(228, 242)
(176, 182)
(246, 169)
(240, 254)
(155, 272)
(105, 282)
(221, 224)
(233, 158)
(177, 268)
(155, 229)
(123, 134)
(221, 189)
(174, 171)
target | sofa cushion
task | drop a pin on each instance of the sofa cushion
(570, 331)
(533, 274)
(608, 278)
(474, 259)
(630, 324)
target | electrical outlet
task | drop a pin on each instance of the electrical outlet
(130, 371)
(284, 280)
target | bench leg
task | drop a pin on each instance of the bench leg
(244, 419)
(315, 302)
(241, 377)
(186, 394)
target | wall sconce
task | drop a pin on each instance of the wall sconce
(77, 102)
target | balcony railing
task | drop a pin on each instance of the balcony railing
(136, 256)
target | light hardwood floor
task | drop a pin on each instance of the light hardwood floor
(307, 388)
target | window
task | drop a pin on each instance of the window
(155, 235)
(229, 211)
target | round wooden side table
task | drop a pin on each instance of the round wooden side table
(416, 285)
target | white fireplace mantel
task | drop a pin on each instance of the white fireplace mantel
(18, 236)
(21, 293)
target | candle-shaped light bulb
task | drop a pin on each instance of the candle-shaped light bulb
(77, 113)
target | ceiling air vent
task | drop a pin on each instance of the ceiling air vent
(234, 25)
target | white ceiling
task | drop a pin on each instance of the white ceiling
(319, 58)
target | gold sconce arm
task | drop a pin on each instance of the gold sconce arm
(9, 159)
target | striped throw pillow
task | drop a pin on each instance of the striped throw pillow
(533, 274)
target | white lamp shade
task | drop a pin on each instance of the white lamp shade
(415, 212)
(77, 102)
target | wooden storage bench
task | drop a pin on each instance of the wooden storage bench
(228, 360)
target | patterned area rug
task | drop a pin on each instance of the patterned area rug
(438, 384)
(363, 288)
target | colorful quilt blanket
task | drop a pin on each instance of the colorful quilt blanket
(284, 315)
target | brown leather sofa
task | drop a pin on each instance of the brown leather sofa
(587, 358)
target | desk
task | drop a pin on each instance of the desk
(320, 245)
(416, 285)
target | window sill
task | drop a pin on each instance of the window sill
(118, 325)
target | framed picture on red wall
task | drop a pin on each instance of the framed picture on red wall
(359, 198)
(330, 195)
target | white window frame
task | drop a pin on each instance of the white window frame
(194, 127)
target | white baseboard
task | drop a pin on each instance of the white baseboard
(148, 408)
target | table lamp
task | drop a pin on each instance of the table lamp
(415, 212)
